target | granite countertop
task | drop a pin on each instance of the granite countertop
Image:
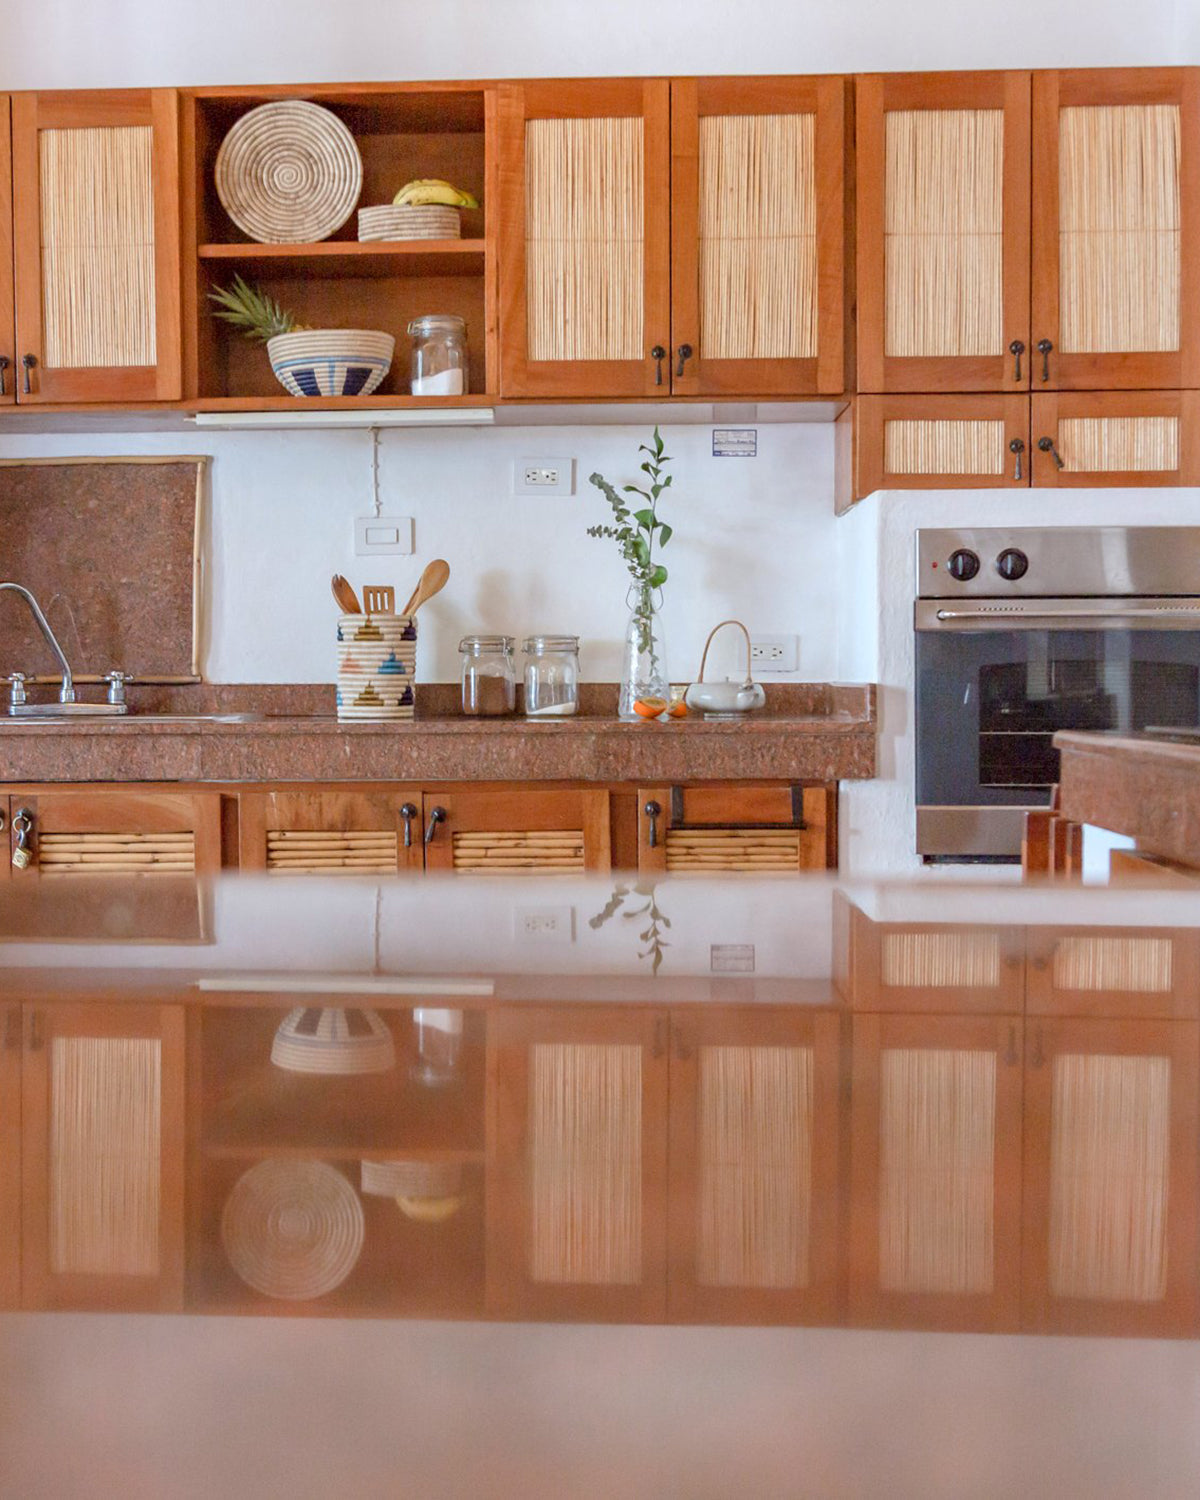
(1136, 784)
(808, 732)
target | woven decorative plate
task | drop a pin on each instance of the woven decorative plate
(292, 1229)
(289, 173)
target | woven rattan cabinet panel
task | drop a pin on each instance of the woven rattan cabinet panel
(96, 246)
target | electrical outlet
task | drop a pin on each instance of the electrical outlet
(375, 536)
(543, 476)
(544, 924)
(774, 653)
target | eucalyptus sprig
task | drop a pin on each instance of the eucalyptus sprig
(636, 532)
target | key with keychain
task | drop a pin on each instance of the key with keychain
(22, 827)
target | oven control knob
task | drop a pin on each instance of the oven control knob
(1012, 564)
(963, 565)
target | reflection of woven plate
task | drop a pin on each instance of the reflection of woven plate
(292, 1229)
(412, 1179)
(327, 1039)
(288, 173)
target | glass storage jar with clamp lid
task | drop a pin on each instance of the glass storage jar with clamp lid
(489, 678)
(551, 676)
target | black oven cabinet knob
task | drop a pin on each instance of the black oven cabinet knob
(963, 564)
(1012, 564)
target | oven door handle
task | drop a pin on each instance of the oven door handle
(1002, 618)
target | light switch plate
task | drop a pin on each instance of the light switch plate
(379, 536)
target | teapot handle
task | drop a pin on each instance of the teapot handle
(708, 643)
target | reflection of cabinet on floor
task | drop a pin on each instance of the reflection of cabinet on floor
(92, 1156)
(645, 1164)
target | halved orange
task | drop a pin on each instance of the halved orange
(649, 708)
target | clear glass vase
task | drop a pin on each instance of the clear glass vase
(644, 675)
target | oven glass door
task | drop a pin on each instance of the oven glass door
(989, 702)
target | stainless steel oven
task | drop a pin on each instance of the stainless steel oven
(1021, 632)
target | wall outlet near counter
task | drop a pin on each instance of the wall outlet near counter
(543, 476)
(544, 924)
(774, 653)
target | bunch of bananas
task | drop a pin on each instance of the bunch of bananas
(433, 190)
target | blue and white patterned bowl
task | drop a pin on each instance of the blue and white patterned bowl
(331, 361)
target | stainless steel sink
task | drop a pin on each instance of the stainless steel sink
(72, 713)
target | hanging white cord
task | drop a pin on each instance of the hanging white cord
(375, 435)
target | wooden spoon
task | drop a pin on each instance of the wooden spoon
(344, 593)
(432, 581)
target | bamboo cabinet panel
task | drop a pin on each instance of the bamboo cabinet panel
(10, 1154)
(8, 377)
(941, 442)
(557, 832)
(936, 1194)
(577, 1163)
(942, 224)
(102, 1126)
(1110, 1176)
(73, 834)
(758, 226)
(322, 832)
(584, 257)
(1125, 438)
(97, 245)
(1137, 971)
(764, 829)
(754, 1150)
(925, 968)
(1116, 229)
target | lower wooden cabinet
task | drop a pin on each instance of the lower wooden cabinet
(767, 828)
(1109, 1223)
(325, 832)
(126, 831)
(935, 1217)
(101, 1155)
(585, 1218)
(559, 831)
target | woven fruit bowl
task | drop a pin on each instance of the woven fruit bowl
(331, 361)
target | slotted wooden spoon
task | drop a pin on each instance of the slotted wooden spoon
(379, 599)
(432, 581)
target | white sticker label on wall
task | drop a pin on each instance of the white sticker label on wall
(731, 958)
(735, 442)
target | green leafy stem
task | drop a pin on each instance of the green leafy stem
(638, 532)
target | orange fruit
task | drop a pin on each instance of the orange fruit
(649, 708)
(677, 709)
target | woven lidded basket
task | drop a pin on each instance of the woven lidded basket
(422, 221)
(288, 173)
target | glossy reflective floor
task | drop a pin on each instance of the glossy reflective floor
(820, 1112)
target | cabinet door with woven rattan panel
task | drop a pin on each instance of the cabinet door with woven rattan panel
(1116, 229)
(1109, 1217)
(935, 1204)
(10, 1153)
(584, 248)
(758, 212)
(755, 1140)
(324, 831)
(102, 1125)
(942, 226)
(930, 967)
(577, 1163)
(1120, 438)
(96, 245)
(8, 384)
(941, 442)
(759, 829)
(118, 832)
(518, 832)
(1150, 972)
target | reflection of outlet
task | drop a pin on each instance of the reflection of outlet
(544, 924)
(774, 653)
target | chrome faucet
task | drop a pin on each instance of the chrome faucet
(66, 693)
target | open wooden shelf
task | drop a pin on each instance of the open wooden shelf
(355, 257)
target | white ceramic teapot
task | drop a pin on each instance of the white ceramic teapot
(725, 697)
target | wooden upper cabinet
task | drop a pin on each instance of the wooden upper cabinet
(943, 231)
(8, 383)
(102, 1125)
(941, 442)
(96, 245)
(1116, 229)
(1126, 438)
(758, 216)
(585, 248)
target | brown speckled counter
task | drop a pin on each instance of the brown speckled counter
(1148, 789)
(832, 739)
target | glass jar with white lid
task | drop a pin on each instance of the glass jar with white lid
(551, 676)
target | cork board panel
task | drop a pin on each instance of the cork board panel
(110, 548)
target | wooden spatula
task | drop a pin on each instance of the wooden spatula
(347, 599)
(379, 599)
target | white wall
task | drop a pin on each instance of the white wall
(74, 44)
(754, 538)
